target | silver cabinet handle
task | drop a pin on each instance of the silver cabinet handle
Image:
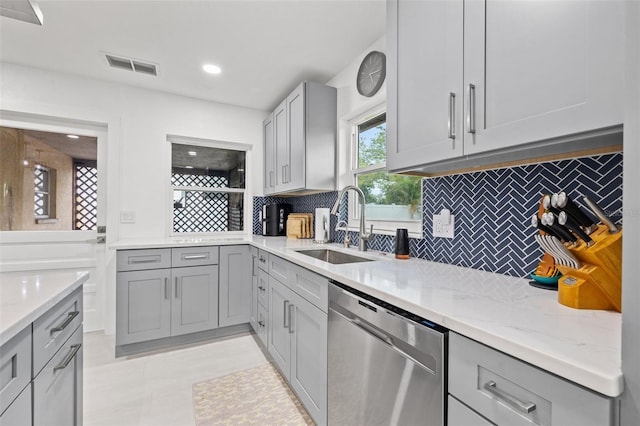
(154, 259)
(261, 288)
(194, 256)
(291, 308)
(471, 118)
(176, 287)
(271, 178)
(67, 359)
(452, 115)
(284, 174)
(286, 306)
(263, 260)
(166, 288)
(261, 324)
(65, 323)
(525, 407)
(253, 266)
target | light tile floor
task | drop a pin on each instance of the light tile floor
(155, 389)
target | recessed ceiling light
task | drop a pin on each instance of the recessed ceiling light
(192, 153)
(188, 167)
(73, 136)
(211, 69)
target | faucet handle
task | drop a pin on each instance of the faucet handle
(369, 235)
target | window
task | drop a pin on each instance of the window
(85, 195)
(208, 188)
(44, 192)
(392, 200)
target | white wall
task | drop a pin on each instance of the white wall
(631, 242)
(138, 154)
(352, 104)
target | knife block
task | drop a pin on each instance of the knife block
(598, 283)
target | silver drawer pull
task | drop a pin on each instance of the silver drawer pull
(195, 256)
(525, 407)
(65, 323)
(154, 259)
(471, 118)
(67, 359)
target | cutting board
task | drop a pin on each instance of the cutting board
(299, 225)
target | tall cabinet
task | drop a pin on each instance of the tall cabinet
(300, 141)
(476, 78)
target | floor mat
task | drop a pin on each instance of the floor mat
(257, 396)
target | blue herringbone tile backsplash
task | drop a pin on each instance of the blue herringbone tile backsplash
(492, 209)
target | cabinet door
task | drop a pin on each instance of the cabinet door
(263, 325)
(281, 145)
(19, 411)
(424, 86)
(309, 357)
(194, 301)
(235, 285)
(143, 305)
(253, 320)
(268, 137)
(541, 69)
(57, 390)
(263, 289)
(295, 171)
(459, 414)
(279, 333)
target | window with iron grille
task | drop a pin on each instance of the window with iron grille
(42, 192)
(85, 195)
(208, 186)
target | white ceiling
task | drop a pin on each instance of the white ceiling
(264, 47)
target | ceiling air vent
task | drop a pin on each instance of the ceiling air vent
(131, 65)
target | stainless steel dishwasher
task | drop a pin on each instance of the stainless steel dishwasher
(386, 366)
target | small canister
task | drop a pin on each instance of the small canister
(402, 243)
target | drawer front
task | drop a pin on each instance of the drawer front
(459, 414)
(57, 390)
(313, 287)
(263, 325)
(51, 330)
(15, 367)
(279, 269)
(263, 289)
(194, 256)
(19, 412)
(508, 391)
(263, 260)
(137, 260)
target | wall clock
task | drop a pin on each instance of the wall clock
(371, 73)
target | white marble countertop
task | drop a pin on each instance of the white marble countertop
(500, 311)
(24, 297)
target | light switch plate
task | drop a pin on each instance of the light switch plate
(127, 216)
(442, 229)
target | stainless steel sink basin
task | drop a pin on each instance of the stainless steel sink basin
(335, 257)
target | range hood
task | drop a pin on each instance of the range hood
(22, 10)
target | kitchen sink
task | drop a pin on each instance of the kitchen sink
(332, 256)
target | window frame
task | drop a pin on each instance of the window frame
(384, 227)
(46, 192)
(208, 143)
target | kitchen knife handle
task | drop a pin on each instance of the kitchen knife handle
(561, 231)
(565, 220)
(565, 203)
(452, 115)
(613, 228)
(536, 224)
(471, 117)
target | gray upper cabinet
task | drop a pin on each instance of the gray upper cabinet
(235, 285)
(301, 148)
(143, 305)
(424, 86)
(510, 81)
(194, 303)
(268, 136)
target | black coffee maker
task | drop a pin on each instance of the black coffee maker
(274, 219)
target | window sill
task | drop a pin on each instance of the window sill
(47, 221)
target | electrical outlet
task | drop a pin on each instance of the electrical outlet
(127, 216)
(441, 228)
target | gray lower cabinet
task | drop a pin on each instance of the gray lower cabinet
(459, 414)
(19, 411)
(57, 390)
(194, 299)
(297, 341)
(143, 305)
(235, 285)
(506, 391)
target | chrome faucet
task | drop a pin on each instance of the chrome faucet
(364, 237)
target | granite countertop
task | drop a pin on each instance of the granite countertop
(500, 311)
(25, 297)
